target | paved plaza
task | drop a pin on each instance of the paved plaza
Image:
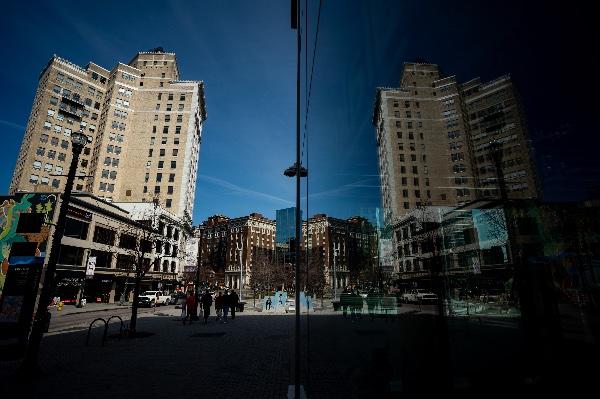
(250, 357)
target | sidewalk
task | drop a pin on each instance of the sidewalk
(90, 307)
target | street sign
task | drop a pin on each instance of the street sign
(91, 267)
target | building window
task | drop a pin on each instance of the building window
(159, 177)
(170, 190)
(162, 152)
(171, 177)
(173, 164)
(168, 202)
(175, 152)
(156, 189)
(179, 118)
(76, 228)
(166, 129)
(104, 235)
(161, 164)
(34, 179)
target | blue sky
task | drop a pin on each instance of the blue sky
(245, 52)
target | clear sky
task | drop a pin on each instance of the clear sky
(245, 52)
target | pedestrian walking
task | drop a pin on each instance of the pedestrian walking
(190, 303)
(183, 307)
(206, 302)
(234, 299)
(156, 298)
(268, 303)
(219, 305)
(226, 304)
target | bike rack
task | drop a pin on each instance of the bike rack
(106, 322)
(87, 340)
(120, 328)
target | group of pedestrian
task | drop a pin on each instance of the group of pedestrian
(226, 303)
(223, 304)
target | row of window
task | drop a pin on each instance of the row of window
(113, 149)
(109, 174)
(415, 181)
(170, 96)
(161, 164)
(169, 107)
(109, 187)
(406, 104)
(168, 118)
(413, 158)
(122, 103)
(35, 179)
(108, 161)
(159, 177)
(411, 135)
(118, 125)
(54, 141)
(162, 152)
(52, 113)
(120, 114)
(409, 124)
(41, 151)
(164, 140)
(166, 129)
(417, 193)
(37, 165)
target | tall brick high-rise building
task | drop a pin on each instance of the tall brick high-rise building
(144, 124)
(434, 135)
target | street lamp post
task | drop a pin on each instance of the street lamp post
(336, 251)
(30, 362)
(240, 247)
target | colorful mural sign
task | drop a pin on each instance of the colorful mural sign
(14, 231)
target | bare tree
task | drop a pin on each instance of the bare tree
(141, 242)
(315, 278)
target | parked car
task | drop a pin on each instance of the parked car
(144, 301)
(418, 295)
(154, 296)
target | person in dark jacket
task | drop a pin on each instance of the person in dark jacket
(219, 305)
(226, 305)
(206, 302)
(190, 303)
(234, 299)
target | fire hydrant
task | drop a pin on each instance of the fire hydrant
(60, 305)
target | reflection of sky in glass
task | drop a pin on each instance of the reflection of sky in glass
(490, 226)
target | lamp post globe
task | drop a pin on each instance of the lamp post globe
(79, 139)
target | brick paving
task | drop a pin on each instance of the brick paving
(250, 358)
